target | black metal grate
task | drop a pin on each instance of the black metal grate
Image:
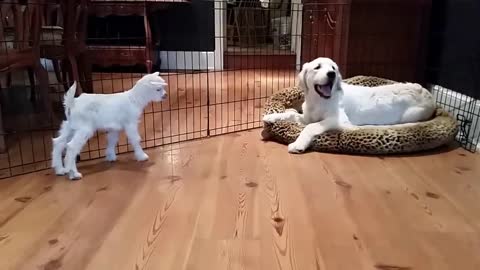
(467, 112)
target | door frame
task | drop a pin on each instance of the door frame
(220, 22)
(220, 17)
(296, 31)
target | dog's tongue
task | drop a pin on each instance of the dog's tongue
(326, 90)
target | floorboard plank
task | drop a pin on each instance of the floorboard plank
(235, 202)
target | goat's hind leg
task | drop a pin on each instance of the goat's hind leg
(59, 144)
(134, 139)
(112, 140)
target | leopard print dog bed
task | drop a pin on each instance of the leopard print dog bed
(440, 130)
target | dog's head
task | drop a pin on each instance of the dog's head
(154, 86)
(321, 76)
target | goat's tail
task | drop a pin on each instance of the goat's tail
(69, 99)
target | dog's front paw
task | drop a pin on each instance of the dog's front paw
(270, 118)
(141, 156)
(297, 147)
(74, 175)
(291, 110)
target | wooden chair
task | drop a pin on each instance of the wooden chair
(51, 36)
(250, 23)
(63, 40)
(19, 46)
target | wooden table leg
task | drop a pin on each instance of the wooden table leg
(3, 146)
(148, 41)
(85, 72)
(76, 77)
(41, 75)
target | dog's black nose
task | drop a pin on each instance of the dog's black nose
(331, 74)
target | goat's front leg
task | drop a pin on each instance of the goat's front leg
(59, 144)
(134, 139)
(309, 132)
(79, 139)
(290, 115)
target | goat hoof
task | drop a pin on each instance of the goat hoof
(60, 171)
(142, 157)
(111, 158)
(75, 176)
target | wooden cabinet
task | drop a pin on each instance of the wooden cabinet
(107, 55)
(385, 38)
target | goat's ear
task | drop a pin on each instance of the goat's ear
(158, 83)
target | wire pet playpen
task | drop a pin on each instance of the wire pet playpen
(222, 59)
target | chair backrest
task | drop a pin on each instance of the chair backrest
(20, 24)
(52, 14)
(76, 17)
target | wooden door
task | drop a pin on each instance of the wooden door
(325, 30)
(387, 38)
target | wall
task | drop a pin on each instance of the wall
(184, 27)
(454, 46)
(185, 36)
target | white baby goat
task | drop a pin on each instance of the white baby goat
(107, 112)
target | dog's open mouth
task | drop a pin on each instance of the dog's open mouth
(325, 90)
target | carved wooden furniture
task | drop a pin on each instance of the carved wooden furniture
(248, 22)
(63, 40)
(19, 47)
(127, 55)
(385, 38)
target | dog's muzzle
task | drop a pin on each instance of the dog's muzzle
(325, 90)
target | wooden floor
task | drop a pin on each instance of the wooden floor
(235, 202)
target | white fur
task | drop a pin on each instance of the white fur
(351, 106)
(112, 113)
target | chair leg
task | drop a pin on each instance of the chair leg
(58, 75)
(74, 71)
(31, 79)
(66, 75)
(3, 145)
(148, 40)
(42, 76)
(9, 79)
(85, 70)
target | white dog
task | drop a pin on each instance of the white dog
(111, 113)
(331, 104)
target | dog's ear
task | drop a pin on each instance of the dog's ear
(339, 75)
(301, 77)
(338, 80)
(156, 73)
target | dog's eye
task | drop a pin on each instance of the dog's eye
(318, 67)
(334, 68)
(158, 90)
